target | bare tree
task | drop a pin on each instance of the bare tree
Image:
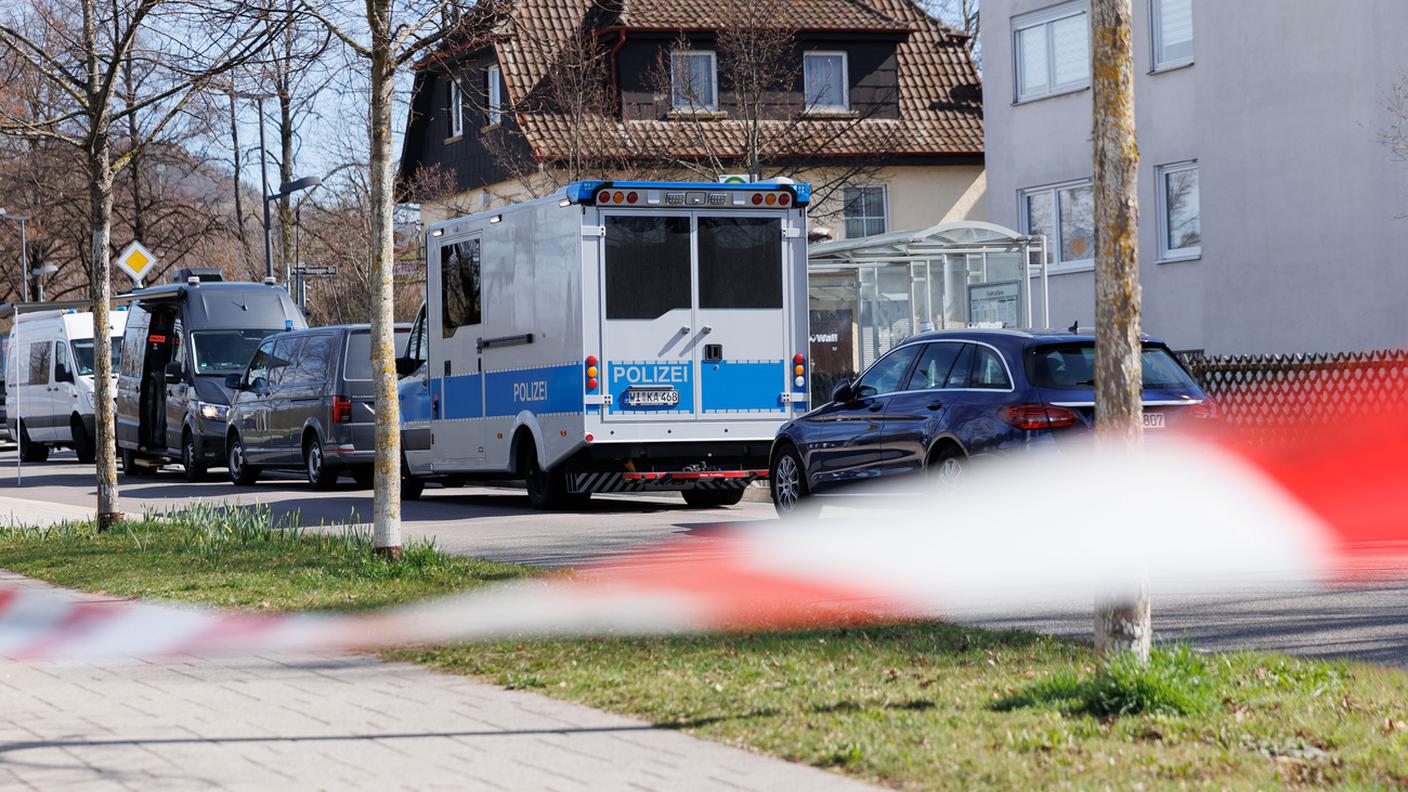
(1122, 621)
(396, 32)
(1396, 135)
(966, 16)
(84, 49)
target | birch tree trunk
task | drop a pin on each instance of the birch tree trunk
(386, 501)
(105, 441)
(1122, 617)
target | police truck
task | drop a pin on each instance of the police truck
(612, 337)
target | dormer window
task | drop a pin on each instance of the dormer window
(825, 79)
(694, 80)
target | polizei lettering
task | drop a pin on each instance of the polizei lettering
(534, 391)
(655, 374)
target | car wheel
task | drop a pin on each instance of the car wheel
(130, 465)
(712, 499)
(315, 465)
(190, 458)
(412, 487)
(787, 480)
(241, 472)
(547, 489)
(946, 468)
(31, 451)
(82, 443)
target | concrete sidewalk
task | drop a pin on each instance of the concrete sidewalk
(22, 511)
(337, 721)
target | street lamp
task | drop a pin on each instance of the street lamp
(286, 189)
(24, 253)
(39, 273)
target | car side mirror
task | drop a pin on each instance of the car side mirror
(843, 392)
(234, 382)
(173, 372)
(259, 385)
(406, 366)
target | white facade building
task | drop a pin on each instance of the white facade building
(1274, 216)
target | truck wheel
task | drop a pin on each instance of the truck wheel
(712, 499)
(82, 443)
(31, 451)
(547, 489)
(315, 466)
(190, 458)
(242, 473)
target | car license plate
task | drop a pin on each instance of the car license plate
(1154, 420)
(652, 397)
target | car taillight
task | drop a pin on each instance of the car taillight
(341, 410)
(1038, 416)
(1207, 410)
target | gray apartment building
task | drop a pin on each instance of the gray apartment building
(1274, 215)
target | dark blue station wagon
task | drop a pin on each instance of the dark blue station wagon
(938, 400)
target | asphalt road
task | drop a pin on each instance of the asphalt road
(1367, 623)
(489, 522)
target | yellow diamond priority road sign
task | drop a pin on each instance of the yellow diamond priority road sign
(136, 261)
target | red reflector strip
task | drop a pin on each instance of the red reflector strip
(157, 339)
(711, 474)
(642, 476)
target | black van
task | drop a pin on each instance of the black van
(182, 340)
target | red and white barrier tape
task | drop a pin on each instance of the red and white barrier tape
(1029, 533)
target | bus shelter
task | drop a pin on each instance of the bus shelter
(868, 294)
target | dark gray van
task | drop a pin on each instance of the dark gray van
(305, 402)
(182, 341)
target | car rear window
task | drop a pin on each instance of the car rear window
(358, 360)
(1072, 366)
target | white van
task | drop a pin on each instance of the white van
(49, 381)
(613, 337)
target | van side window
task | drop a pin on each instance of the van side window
(137, 320)
(259, 366)
(282, 361)
(459, 281)
(39, 357)
(415, 347)
(61, 364)
(313, 361)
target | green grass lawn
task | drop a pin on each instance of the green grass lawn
(921, 705)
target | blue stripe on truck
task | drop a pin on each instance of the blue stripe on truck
(550, 389)
(622, 375)
(730, 386)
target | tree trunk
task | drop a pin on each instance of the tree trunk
(100, 180)
(386, 501)
(1122, 621)
(285, 176)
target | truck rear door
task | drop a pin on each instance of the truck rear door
(695, 312)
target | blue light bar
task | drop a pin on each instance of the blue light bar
(584, 192)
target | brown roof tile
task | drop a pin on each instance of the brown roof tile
(940, 91)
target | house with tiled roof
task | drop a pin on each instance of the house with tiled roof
(874, 101)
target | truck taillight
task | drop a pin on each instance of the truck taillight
(1029, 417)
(784, 199)
(799, 368)
(341, 410)
(592, 373)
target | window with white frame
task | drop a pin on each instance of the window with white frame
(495, 92)
(1172, 23)
(456, 108)
(866, 211)
(1180, 225)
(1052, 50)
(1065, 215)
(825, 80)
(694, 80)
